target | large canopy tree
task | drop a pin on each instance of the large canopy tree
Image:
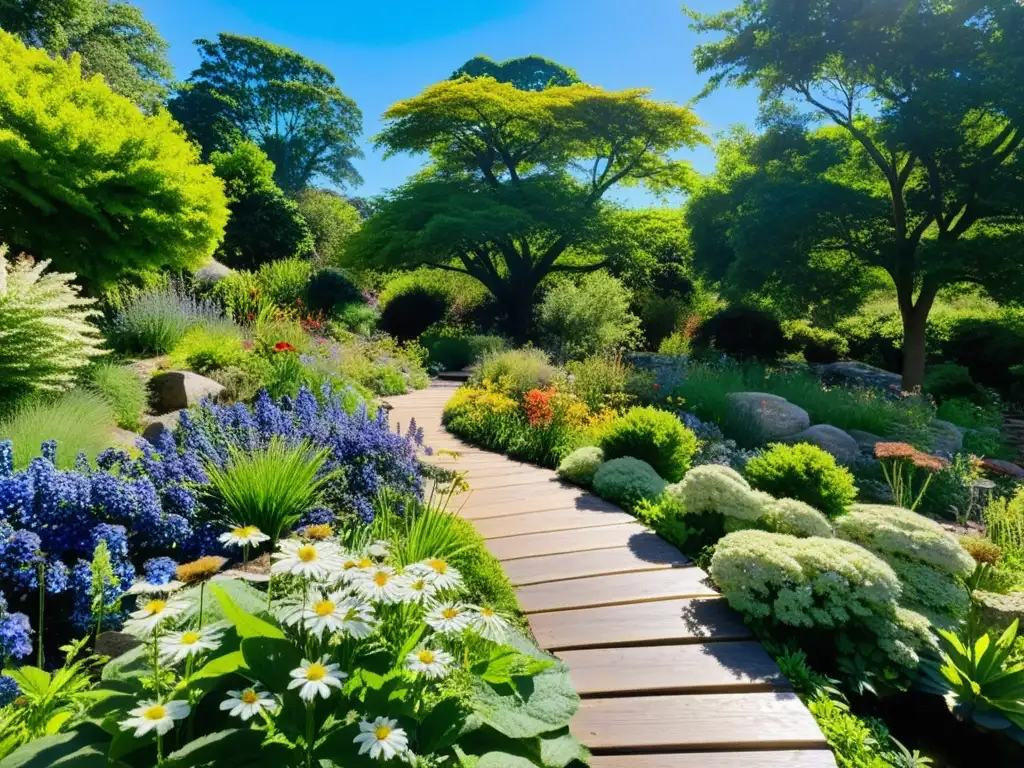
(90, 182)
(527, 73)
(517, 179)
(929, 95)
(248, 89)
(113, 40)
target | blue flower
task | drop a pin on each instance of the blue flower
(49, 450)
(56, 577)
(9, 690)
(159, 570)
(6, 458)
(19, 558)
(15, 636)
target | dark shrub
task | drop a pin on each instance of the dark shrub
(744, 333)
(654, 436)
(330, 288)
(455, 352)
(672, 282)
(988, 349)
(817, 344)
(878, 350)
(409, 314)
(949, 381)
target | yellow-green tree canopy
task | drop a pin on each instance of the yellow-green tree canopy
(517, 178)
(90, 182)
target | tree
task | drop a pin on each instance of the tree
(265, 224)
(331, 219)
(929, 95)
(290, 106)
(517, 180)
(528, 73)
(113, 39)
(90, 182)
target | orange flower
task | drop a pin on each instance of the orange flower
(283, 346)
(538, 407)
(928, 462)
(895, 451)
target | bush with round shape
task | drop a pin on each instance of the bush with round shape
(209, 347)
(894, 531)
(794, 518)
(654, 436)
(627, 481)
(804, 472)
(580, 466)
(742, 332)
(454, 351)
(671, 281)
(988, 348)
(283, 282)
(930, 591)
(516, 371)
(409, 314)
(817, 344)
(152, 322)
(949, 381)
(576, 320)
(330, 288)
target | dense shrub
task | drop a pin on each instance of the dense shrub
(123, 388)
(818, 345)
(331, 220)
(950, 493)
(409, 314)
(742, 332)
(453, 351)
(660, 317)
(516, 371)
(283, 282)
(154, 321)
(46, 330)
(79, 421)
(576, 320)
(600, 381)
(580, 465)
(805, 472)
(627, 481)
(357, 317)
(654, 436)
(465, 297)
(331, 288)
(209, 347)
(988, 348)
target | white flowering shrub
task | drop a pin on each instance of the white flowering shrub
(627, 481)
(823, 584)
(352, 659)
(46, 333)
(795, 518)
(580, 466)
(930, 591)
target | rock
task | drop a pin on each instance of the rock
(212, 272)
(1000, 467)
(114, 644)
(946, 439)
(831, 439)
(999, 611)
(865, 440)
(159, 424)
(174, 390)
(123, 438)
(774, 417)
(858, 374)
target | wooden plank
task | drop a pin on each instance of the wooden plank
(807, 758)
(566, 494)
(663, 622)
(699, 721)
(479, 511)
(616, 589)
(505, 477)
(643, 554)
(697, 668)
(557, 542)
(552, 520)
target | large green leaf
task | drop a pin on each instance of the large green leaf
(562, 750)
(442, 726)
(220, 666)
(85, 747)
(33, 681)
(246, 624)
(233, 747)
(504, 760)
(270, 660)
(541, 704)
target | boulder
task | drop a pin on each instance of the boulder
(774, 417)
(113, 644)
(123, 438)
(831, 439)
(174, 390)
(858, 374)
(946, 439)
(159, 424)
(1000, 467)
(212, 272)
(999, 611)
(866, 440)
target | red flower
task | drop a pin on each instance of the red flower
(537, 404)
(252, 315)
(656, 387)
(283, 346)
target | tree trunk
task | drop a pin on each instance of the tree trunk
(914, 348)
(518, 308)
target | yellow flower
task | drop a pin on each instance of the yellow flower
(199, 570)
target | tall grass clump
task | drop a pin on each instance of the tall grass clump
(1005, 522)
(516, 371)
(154, 321)
(270, 488)
(123, 388)
(283, 282)
(80, 421)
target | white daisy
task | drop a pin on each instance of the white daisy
(381, 738)
(379, 584)
(181, 645)
(318, 560)
(489, 625)
(379, 549)
(289, 610)
(429, 663)
(357, 619)
(416, 589)
(444, 575)
(152, 715)
(153, 612)
(352, 567)
(248, 702)
(449, 618)
(243, 536)
(145, 588)
(316, 677)
(325, 612)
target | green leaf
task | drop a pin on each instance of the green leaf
(340, 747)
(220, 666)
(81, 748)
(545, 705)
(246, 625)
(442, 726)
(270, 660)
(562, 750)
(504, 760)
(233, 747)
(33, 681)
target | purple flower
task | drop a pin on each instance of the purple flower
(159, 570)
(9, 690)
(15, 633)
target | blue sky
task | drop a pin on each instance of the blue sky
(381, 51)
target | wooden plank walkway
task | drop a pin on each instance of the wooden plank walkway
(669, 675)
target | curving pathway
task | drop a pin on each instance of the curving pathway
(669, 675)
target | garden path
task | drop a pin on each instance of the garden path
(668, 674)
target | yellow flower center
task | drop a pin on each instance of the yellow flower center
(323, 608)
(190, 638)
(419, 585)
(307, 553)
(316, 672)
(381, 732)
(380, 578)
(365, 563)
(488, 612)
(249, 697)
(154, 607)
(349, 564)
(438, 565)
(450, 613)
(244, 531)
(156, 712)
(427, 657)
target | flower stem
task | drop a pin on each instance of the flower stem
(41, 578)
(202, 587)
(309, 733)
(159, 749)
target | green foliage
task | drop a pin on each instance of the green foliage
(818, 345)
(330, 288)
(409, 314)
(90, 182)
(949, 381)
(206, 348)
(153, 321)
(123, 388)
(331, 220)
(742, 332)
(1004, 521)
(113, 39)
(804, 472)
(78, 420)
(270, 488)
(248, 89)
(357, 317)
(951, 493)
(627, 481)
(854, 741)
(527, 73)
(265, 224)
(600, 381)
(283, 282)
(452, 351)
(654, 436)
(516, 371)
(465, 298)
(964, 413)
(989, 347)
(578, 320)
(46, 329)
(580, 466)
